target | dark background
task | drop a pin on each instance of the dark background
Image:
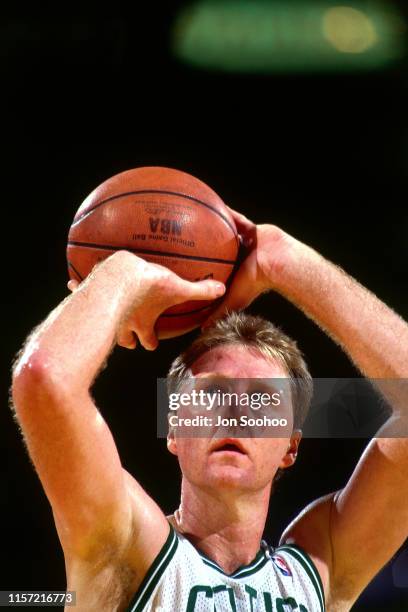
(89, 91)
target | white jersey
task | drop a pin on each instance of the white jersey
(182, 579)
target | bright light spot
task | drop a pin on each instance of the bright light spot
(99, 421)
(265, 36)
(348, 29)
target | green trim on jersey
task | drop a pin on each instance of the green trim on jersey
(306, 562)
(244, 570)
(154, 573)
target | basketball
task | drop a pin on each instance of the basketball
(165, 216)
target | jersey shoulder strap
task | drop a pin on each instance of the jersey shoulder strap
(298, 554)
(155, 572)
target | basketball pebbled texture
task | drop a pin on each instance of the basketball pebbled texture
(165, 216)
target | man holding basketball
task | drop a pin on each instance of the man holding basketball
(121, 552)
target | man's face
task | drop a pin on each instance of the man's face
(207, 462)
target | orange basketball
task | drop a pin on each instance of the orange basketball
(165, 216)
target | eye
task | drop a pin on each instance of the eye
(213, 386)
(213, 389)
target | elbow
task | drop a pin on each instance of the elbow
(33, 377)
(32, 367)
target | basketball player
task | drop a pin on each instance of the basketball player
(121, 551)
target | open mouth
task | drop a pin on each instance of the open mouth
(229, 446)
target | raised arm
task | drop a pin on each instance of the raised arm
(353, 533)
(98, 507)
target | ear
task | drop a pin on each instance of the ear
(291, 453)
(171, 441)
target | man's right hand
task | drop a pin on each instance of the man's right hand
(152, 290)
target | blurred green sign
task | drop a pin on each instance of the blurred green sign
(269, 36)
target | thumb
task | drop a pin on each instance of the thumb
(201, 290)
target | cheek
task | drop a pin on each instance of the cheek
(270, 452)
(190, 452)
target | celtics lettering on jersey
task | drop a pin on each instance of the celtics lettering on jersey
(182, 579)
(280, 605)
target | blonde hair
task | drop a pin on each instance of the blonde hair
(255, 332)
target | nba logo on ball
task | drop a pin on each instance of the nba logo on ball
(281, 565)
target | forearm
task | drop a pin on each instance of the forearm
(374, 337)
(77, 336)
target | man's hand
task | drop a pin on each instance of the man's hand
(268, 249)
(154, 289)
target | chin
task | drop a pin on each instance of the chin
(229, 477)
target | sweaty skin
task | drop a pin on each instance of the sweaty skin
(109, 528)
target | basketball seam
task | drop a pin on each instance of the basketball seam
(71, 265)
(146, 191)
(107, 247)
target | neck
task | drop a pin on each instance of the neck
(226, 527)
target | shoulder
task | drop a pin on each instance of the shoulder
(123, 562)
(309, 533)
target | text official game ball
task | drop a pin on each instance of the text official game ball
(167, 217)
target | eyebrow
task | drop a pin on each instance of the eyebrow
(258, 379)
(223, 376)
